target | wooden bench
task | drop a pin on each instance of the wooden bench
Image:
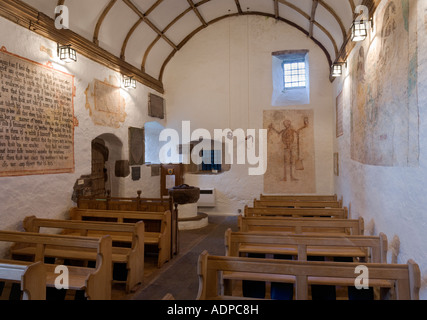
(132, 256)
(30, 276)
(403, 281)
(126, 204)
(96, 282)
(296, 204)
(360, 248)
(136, 204)
(283, 197)
(307, 226)
(339, 213)
(157, 226)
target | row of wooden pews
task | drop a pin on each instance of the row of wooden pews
(98, 246)
(304, 248)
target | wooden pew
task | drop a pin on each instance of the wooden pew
(298, 197)
(296, 204)
(125, 203)
(307, 226)
(340, 213)
(30, 276)
(96, 282)
(360, 248)
(403, 281)
(158, 233)
(136, 204)
(132, 257)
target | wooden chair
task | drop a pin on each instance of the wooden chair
(157, 226)
(402, 281)
(339, 213)
(307, 226)
(30, 276)
(96, 282)
(128, 234)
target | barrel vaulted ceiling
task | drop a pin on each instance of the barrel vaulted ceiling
(147, 33)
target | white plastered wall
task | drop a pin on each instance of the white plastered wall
(222, 79)
(392, 200)
(49, 196)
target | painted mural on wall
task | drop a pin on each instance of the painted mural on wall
(105, 103)
(291, 161)
(36, 118)
(384, 108)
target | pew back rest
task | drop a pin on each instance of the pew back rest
(405, 279)
(264, 197)
(31, 276)
(301, 225)
(133, 234)
(154, 221)
(134, 231)
(374, 246)
(297, 204)
(98, 281)
(126, 204)
(339, 213)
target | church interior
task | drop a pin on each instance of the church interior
(268, 149)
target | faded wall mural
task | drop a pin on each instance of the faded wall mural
(291, 164)
(105, 103)
(384, 108)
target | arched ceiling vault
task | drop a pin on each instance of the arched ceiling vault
(142, 36)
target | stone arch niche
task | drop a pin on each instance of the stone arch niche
(112, 146)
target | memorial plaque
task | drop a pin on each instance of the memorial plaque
(136, 173)
(156, 106)
(36, 118)
(136, 146)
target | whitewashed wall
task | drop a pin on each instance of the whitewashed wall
(50, 195)
(223, 79)
(392, 200)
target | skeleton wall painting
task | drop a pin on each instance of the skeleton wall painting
(291, 165)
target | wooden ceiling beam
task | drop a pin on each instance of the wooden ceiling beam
(143, 16)
(239, 7)
(39, 23)
(313, 17)
(336, 16)
(196, 11)
(101, 20)
(192, 34)
(276, 9)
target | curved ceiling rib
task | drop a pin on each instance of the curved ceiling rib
(192, 34)
(101, 19)
(167, 25)
(335, 15)
(130, 33)
(176, 48)
(194, 7)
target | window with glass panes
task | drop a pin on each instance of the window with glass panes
(294, 74)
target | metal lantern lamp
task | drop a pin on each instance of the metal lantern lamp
(359, 30)
(337, 69)
(129, 82)
(67, 53)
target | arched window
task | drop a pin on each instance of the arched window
(152, 143)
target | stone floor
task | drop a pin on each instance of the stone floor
(179, 276)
